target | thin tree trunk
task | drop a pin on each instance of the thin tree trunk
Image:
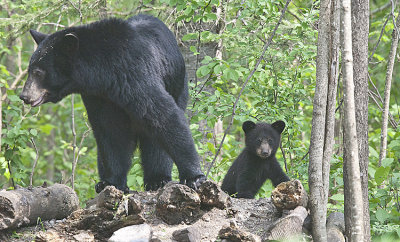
(331, 101)
(352, 165)
(315, 168)
(360, 32)
(388, 83)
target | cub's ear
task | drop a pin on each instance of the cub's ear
(248, 125)
(279, 126)
(70, 44)
(37, 36)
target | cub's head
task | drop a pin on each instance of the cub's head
(263, 139)
(50, 68)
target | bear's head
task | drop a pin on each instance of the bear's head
(50, 68)
(263, 139)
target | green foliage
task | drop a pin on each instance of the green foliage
(281, 88)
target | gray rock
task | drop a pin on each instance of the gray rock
(177, 203)
(336, 219)
(133, 233)
(191, 234)
(335, 227)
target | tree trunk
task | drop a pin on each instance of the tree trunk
(25, 206)
(360, 32)
(315, 169)
(388, 83)
(352, 166)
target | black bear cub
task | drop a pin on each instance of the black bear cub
(257, 162)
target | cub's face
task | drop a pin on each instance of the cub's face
(50, 67)
(263, 139)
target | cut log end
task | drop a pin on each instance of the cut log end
(289, 195)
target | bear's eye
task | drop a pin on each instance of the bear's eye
(259, 140)
(269, 140)
(38, 73)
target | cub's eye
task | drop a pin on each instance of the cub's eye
(259, 140)
(269, 140)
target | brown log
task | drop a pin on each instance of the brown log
(289, 195)
(24, 206)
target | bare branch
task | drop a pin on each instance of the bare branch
(34, 163)
(379, 40)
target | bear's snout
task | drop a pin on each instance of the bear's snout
(264, 150)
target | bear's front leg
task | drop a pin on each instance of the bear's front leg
(115, 140)
(157, 165)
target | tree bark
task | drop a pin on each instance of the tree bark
(352, 166)
(24, 207)
(360, 32)
(322, 134)
(386, 100)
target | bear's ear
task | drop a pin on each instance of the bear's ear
(279, 126)
(37, 36)
(248, 125)
(70, 44)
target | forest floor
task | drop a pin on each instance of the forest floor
(180, 220)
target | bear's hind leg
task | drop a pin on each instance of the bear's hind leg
(157, 164)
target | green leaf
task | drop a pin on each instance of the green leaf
(194, 50)
(231, 74)
(381, 174)
(338, 197)
(203, 71)
(33, 132)
(372, 152)
(211, 147)
(13, 98)
(387, 162)
(189, 36)
(382, 215)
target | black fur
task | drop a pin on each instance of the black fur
(131, 76)
(257, 162)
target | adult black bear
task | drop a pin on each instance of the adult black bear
(131, 76)
(257, 161)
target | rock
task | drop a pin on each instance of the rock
(129, 205)
(134, 233)
(177, 203)
(289, 195)
(335, 227)
(49, 236)
(335, 235)
(211, 195)
(86, 236)
(134, 206)
(290, 226)
(232, 233)
(336, 219)
(101, 222)
(109, 198)
(191, 234)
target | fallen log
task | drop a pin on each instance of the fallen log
(23, 206)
